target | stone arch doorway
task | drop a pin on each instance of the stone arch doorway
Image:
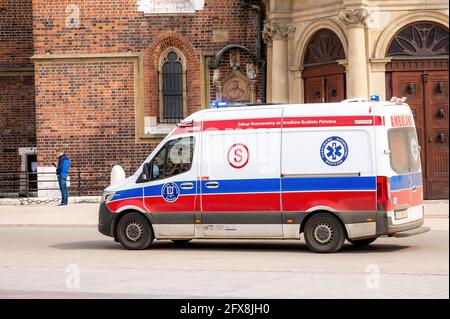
(419, 71)
(323, 78)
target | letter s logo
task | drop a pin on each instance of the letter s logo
(238, 156)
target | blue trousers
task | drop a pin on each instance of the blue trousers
(63, 187)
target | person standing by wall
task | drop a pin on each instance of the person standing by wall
(62, 171)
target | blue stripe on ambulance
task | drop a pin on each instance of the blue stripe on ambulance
(232, 186)
(151, 191)
(356, 183)
(128, 193)
(399, 182)
(267, 185)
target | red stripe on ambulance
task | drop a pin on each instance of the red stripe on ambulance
(292, 122)
(339, 201)
(117, 205)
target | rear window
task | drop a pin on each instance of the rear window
(405, 150)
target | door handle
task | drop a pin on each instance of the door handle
(414, 188)
(441, 138)
(212, 185)
(187, 186)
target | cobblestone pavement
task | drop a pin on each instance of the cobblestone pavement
(78, 262)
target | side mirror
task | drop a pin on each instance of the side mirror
(146, 173)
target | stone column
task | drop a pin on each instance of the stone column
(297, 85)
(280, 71)
(269, 73)
(357, 76)
(378, 77)
(291, 64)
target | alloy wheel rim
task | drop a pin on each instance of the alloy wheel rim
(323, 233)
(134, 231)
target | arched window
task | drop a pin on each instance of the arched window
(324, 78)
(172, 86)
(420, 39)
(324, 47)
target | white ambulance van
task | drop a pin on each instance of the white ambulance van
(331, 172)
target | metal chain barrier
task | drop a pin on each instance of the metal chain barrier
(24, 186)
(29, 201)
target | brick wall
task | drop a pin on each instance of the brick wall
(16, 34)
(17, 112)
(91, 116)
(89, 107)
(17, 120)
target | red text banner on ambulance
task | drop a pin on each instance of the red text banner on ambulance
(402, 121)
(288, 122)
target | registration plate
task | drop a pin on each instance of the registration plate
(401, 214)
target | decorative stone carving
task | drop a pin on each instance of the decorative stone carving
(277, 31)
(252, 71)
(235, 59)
(236, 87)
(355, 17)
(216, 75)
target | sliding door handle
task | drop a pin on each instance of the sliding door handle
(187, 186)
(212, 185)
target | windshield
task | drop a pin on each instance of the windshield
(405, 150)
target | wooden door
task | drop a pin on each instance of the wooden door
(314, 90)
(335, 88)
(437, 129)
(324, 84)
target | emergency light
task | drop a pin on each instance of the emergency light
(222, 104)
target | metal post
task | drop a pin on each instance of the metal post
(79, 182)
(27, 181)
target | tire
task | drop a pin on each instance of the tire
(324, 233)
(134, 232)
(181, 241)
(363, 242)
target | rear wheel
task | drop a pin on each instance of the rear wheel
(324, 233)
(134, 232)
(363, 242)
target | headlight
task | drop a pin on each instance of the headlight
(107, 196)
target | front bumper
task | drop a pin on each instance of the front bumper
(106, 220)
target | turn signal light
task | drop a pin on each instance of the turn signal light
(383, 194)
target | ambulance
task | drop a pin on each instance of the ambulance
(326, 172)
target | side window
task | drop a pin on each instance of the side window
(405, 150)
(157, 167)
(399, 151)
(173, 159)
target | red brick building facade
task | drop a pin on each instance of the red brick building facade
(17, 115)
(99, 87)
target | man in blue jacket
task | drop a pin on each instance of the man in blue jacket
(62, 170)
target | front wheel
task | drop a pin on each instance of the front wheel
(363, 242)
(324, 233)
(134, 232)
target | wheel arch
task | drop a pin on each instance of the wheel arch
(128, 211)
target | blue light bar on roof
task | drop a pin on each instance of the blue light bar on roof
(375, 98)
(222, 104)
